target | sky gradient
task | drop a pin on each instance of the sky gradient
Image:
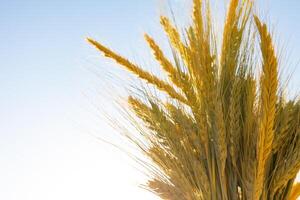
(50, 94)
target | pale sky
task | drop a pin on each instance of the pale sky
(50, 99)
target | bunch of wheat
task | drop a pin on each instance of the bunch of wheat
(224, 132)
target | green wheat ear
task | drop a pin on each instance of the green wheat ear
(223, 133)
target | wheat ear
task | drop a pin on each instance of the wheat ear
(174, 38)
(161, 85)
(198, 19)
(269, 86)
(173, 73)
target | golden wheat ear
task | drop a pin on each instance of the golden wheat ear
(234, 30)
(176, 76)
(174, 36)
(269, 87)
(160, 84)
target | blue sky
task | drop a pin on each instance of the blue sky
(47, 92)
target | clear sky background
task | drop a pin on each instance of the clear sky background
(49, 96)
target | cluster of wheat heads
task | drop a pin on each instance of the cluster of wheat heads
(225, 131)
